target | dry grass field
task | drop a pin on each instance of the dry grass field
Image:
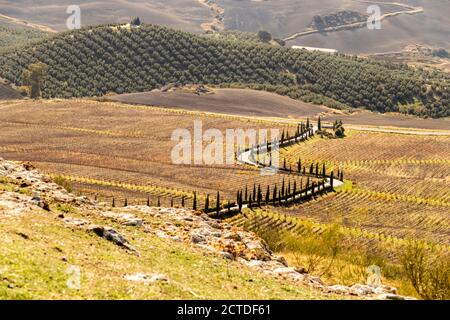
(185, 15)
(115, 150)
(281, 17)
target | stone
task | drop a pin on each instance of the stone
(227, 255)
(197, 238)
(232, 236)
(285, 270)
(361, 290)
(282, 260)
(74, 221)
(113, 236)
(147, 278)
(255, 263)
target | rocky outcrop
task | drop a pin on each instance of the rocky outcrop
(197, 230)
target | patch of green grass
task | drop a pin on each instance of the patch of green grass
(36, 266)
(10, 185)
(65, 207)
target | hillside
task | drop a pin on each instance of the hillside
(93, 62)
(226, 101)
(55, 245)
(182, 14)
(7, 93)
(12, 37)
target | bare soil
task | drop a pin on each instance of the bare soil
(227, 101)
(7, 93)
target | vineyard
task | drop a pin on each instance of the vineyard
(112, 59)
(392, 190)
(121, 155)
(121, 152)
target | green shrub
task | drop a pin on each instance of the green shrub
(63, 183)
(428, 270)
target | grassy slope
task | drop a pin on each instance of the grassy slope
(33, 250)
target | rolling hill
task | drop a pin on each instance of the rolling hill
(13, 35)
(282, 18)
(96, 61)
(7, 93)
(181, 14)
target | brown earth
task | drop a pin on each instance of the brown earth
(389, 120)
(244, 102)
(7, 93)
(228, 101)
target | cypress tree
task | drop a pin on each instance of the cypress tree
(311, 169)
(194, 202)
(304, 170)
(342, 175)
(259, 195)
(268, 194)
(125, 203)
(299, 166)
(284, 163)
(171, 202)
(319, 124)
(113, 202)
(218, 204)
(240, 202)
(307, 124)
(148, 201)
(159, 202)
(279, 198)
(254, 193)
(274, 197)
(294, 191)
(317, 169)
(282, 188)
(246, 194)
(332, 180)
(207, 204)
(324, 171)
(182, 201)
